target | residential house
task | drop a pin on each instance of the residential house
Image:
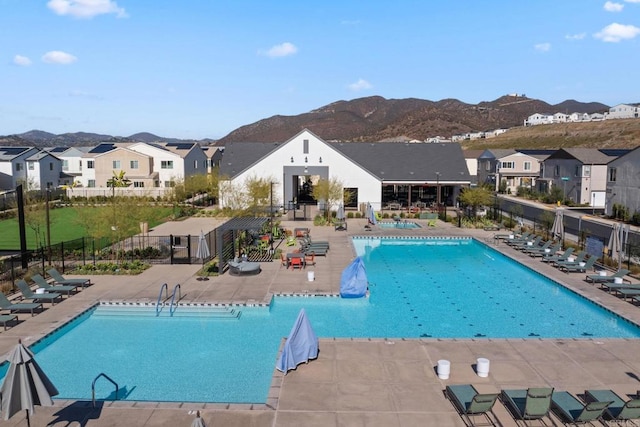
(538, 119)
(174, 161)
(623, 111)
(29, 166)
(581, 173)
(560, 118)
(517, 170)
(488, 165)
(44, 171)
(71, 158)
(137, 168)
(471, 159)
(376, 173)
(623, 182)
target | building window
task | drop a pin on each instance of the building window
(195, 164)
(506, 165)
(49, 184)
(586, 170)
(18, 167)
(166, 164)
(91, 183)
(116, 164)
(169, 184)
(577, 171)
(133, 164)
(138, 184)
(156, 184)
(527, 166)
(80, 165)
(612, 174)
(305, 146)
(487, 166)
(90, 164)
(31, 166)
(65, 165)
(556, 170)
(50, 166)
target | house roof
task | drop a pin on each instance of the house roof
(10, 153)
(472, 154)
(584, 155)
(238, 156)
(496, 153)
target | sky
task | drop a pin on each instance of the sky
(198, 69)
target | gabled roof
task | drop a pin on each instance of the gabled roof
(591, 156)
(238, 156)
(472, 154)
(10, 153)
(39, 156)
(496, 153)
(392, 161)
(538, 154)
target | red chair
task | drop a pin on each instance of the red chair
(310, 259)
(295, 262)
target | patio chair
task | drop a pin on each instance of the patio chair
(577, 259)
(469, 403)
(6, 318)
(614, 287)
(619, 409)
(519, 239)
(573, 268)
(536, 252)
(508, 236)
(525, 243)
(42, 283)
(530, 404)
(27, 293)
(59, 279)
(572, 411)
(19, 307)
(529, 249)
(310, 259)
(296, 262)
(561, 257)
(596, 278)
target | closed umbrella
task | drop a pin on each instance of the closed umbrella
(203, 252)
(198, 422)
(371, 214)
(25, 386)
(340, 213)
(614, 243)
(557, 230)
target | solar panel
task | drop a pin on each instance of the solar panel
(615, 152)
(103, 148)
(180, 145)
(58, 149)
(13, 151)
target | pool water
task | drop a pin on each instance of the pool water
(441, 288)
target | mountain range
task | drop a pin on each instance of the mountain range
(369, 119)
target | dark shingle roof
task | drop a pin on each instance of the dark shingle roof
(239, 156)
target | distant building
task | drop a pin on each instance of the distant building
(623, 111)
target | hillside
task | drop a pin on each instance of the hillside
(604, 134)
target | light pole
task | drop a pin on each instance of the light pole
(271, 214)
(48, 197)
(438, 190)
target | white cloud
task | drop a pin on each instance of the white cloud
(58, 57)
(578, 36)
(610, 6)
(632, 1)
(21, 60)
(86, 8)
(361, 84)
(280, 50)
(542, 47)
(613, 33)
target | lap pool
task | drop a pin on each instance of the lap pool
(420, 288)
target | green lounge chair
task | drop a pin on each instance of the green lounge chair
(573, 268)
(525, 243)
(555, 258)
(59, 279)
(530, 249)
(27, 293)
(596, 278)
(530, 404)
(542, 252)
(619, 410)
(578, 259)
(628, 293)
(6, 318)
(613, 287)
(42, 283)
(572, 411)
(469, 403)
(19, 307)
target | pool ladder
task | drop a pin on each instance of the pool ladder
(93, 387)
(173, 305)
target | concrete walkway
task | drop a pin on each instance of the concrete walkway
(354, 382)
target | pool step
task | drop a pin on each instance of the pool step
(178, 311)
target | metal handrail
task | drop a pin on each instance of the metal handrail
(173, 297)
(166, 289)
(93, 387)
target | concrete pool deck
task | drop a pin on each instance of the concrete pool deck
(353, 382)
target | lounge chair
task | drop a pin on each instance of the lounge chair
(573, 268)
(468, 402)
(628, 293)
(577, 259)
(42, 283)
(530, 404)
(572, 411)
(555, 258)
(310, 259)
(530, 249)
(308, 242)
(544, 251)
(317, 251)
(27, 293)
(597, 278)
(618, 410)
(6, 318)
(524, 243)
(19, 307)
(59, 279)
(507, 237)
(613, 287)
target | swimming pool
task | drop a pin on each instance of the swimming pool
(439, 288)
(398, 224)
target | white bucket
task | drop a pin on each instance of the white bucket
(444, 368)
(482, 367)
(617, 280)
(311, 276)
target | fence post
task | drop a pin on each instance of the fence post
(93, 250)
(171, 248)
(62, 254)
(84, 253)
(42, 257)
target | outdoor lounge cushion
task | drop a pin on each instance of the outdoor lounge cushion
(469, 402)
(619, 410)
(572, 410)
(243, 268)
(5, 304)
(530, 404)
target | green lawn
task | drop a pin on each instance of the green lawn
(65, 226)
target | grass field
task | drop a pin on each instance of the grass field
(64, 223)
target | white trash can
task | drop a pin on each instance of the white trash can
(311, 276)
(482, 367)
(444, 368)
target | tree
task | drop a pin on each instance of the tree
(546, 221)
(331, 191)
(118, 180)
(475, 197)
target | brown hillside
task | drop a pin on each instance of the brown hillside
(604, 134)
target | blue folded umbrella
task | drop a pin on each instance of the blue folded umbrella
(301, 345)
